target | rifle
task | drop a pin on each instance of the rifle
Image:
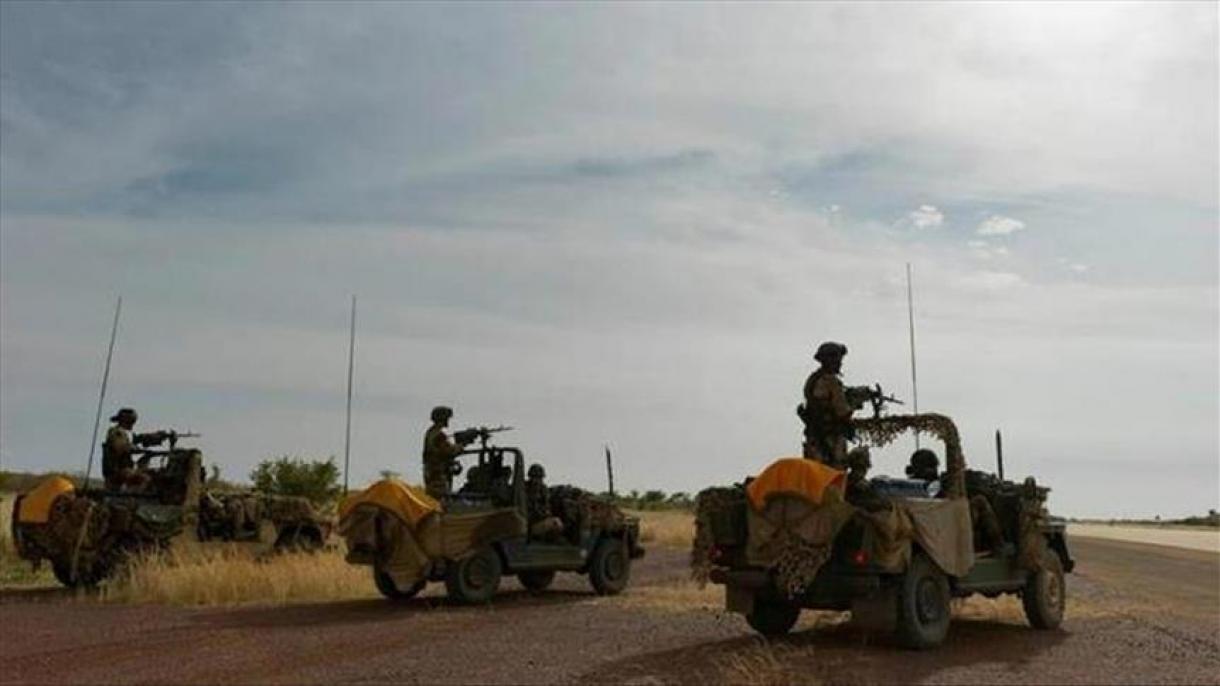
(159, 437)
(479, 433)
(858, 395)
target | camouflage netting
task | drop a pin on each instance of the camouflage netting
(711, 504)
(794, 536)
(881, 431)
(580, 509)
(798, 565)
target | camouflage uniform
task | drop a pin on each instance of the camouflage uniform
(118, 469)
(439, 452)
(827, 417)
(859, 491)
(538, 506)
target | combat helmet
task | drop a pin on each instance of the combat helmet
(830, 350)
(440, 413)
(125, 414)
(536, 471)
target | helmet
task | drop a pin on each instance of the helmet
(441, 413)
(536, 472)
(924, 464)
(125, 414)
(829, 350)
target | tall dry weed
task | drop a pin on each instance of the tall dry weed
(231, 576)
(667, 528)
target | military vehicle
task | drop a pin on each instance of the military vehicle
(472, 538)
(87, 534)
(892, 551)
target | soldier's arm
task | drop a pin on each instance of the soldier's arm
(830, 391)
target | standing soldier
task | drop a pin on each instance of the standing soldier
(827, 412)
(439, 454)
(118, 469)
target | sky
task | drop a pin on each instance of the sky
(618, 224)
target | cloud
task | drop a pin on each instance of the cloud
(582, 240)
(997, 225)
(926, 217)
(990, 281)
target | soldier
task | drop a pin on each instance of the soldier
(439, 454)
(859, 491)
(924, 465)
(538, 505)
(118, 469)
(827, 411)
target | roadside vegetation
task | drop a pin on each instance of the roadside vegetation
(229, 575)
(1210, 520)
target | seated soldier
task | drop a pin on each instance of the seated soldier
(118, 469)
(924, 465)
(543, 525)
(859, 491)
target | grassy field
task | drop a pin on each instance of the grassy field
(192, 574)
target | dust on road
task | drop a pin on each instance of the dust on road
(1139, 614)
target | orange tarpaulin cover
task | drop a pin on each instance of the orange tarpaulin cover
(797, 476)
(36, 505)
(409, 502)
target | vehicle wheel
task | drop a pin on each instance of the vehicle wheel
(63, 573)
(772, 617)
(299, 539)
(385, 584)
(474, 578)
(609, 567)
(536, 580)
(1045, 594)
(923, 605)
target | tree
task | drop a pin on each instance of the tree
(317, 480)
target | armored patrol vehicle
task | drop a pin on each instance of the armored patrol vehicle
(472, 538)
(87, 534)
(892, 551)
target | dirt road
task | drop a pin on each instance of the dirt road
(1139, 614)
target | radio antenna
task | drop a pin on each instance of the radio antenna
(911, 323)
(101, 396)
(351, 360)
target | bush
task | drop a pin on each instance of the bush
(317, 480)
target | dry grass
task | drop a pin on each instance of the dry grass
(666, 528)
(228, 575)
(766, 665)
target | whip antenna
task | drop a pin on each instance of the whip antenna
(351, 359)
(101, 396)
(911, 323)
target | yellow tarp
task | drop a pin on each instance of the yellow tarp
(36, 505)
(411, 503)
(796, 476)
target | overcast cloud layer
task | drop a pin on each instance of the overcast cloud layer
(623, 224)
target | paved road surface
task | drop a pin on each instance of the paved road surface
(1139, 614)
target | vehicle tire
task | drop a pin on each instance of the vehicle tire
(474, 578)
(1045, 594)
(923, 605)
(385, 584)
(299, 539)
(609, 567)
(536, 580)
(63, 574)
(773, 617)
